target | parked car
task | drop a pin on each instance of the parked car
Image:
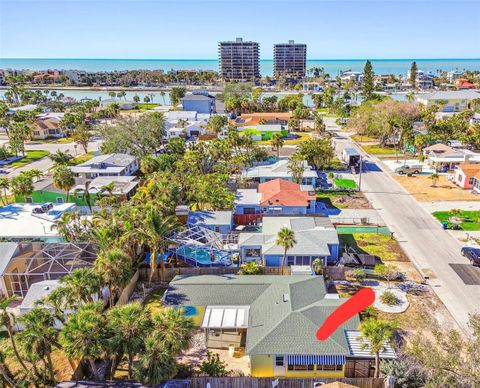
(45, 208)
(405, 169)
(472, 254)
(3, 171)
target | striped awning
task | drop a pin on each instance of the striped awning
(315, 359)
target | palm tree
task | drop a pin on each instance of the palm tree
(5, 372)
(21, 185)
(296, 167)
(277, 143)
(377, 333)
(38, 336)
(60, 157)
(85, 335)
(114, 267)
(7, 320)
(4, 185)
(285, 239)
(153, 232)
(172, 329)
(155, 364)
(63, 179)
(434, 177)
(129, 325)
(80, 285)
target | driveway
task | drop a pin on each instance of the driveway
(430, 248)
(45, 164)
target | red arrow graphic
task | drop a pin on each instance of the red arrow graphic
(358, 302)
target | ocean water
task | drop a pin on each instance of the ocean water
(331, 66)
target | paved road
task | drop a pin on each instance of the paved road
(429, 247)
(45, 163)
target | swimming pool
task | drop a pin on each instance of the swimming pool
(203, 257)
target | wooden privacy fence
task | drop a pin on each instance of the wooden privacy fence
(170, 273)
(252, 382)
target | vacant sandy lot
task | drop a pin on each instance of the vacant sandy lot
(420, 186)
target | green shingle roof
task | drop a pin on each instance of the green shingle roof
(285, 311)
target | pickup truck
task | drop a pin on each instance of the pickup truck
(405, 169)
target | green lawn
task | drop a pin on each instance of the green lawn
(82, 158)
(377, 150)
(30, 156)
(154, 300)
(348, 184)
(373, 244)
(470, 219)
(303, 137)
(363, 138)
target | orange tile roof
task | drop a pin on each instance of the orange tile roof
(284, 193)
(255, 118)
(470, 169)
(46, 124)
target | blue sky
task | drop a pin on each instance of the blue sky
(191, 29)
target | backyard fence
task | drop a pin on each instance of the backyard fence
(252, 382)
(335, 273)
(170, 273)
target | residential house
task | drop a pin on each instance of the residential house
(200, 102)
(23, 264)
(453, 75)
(316, 237)
(258, 118)
(264, 131)
(18, 223)
(265, 172)
(462, 83)
(47, 125)
(220, 221)
(449, 101)
(107, 165)
(278, 196)
(275, 320)
(467, 175)
(443, 157)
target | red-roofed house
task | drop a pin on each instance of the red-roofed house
(467, 176)
(277, 196)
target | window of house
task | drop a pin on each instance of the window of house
(253, 252)
(471, 180)
(217, 229)
(290, 260)
(59, 200)
(29, 200)
(321, 367)
(299, 367)
(249, 210)
(279, 361)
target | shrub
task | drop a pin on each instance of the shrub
(317, 266)
(213, 366)
(389, 298)
(359, 274)
(250, 268)
(368, 313)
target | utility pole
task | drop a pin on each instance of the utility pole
(360, 174)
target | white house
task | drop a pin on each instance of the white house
(107, 165)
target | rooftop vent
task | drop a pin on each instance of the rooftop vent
(286, 297)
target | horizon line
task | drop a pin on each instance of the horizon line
(216, 59)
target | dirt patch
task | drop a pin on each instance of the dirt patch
(351, 201)
(421, 187)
